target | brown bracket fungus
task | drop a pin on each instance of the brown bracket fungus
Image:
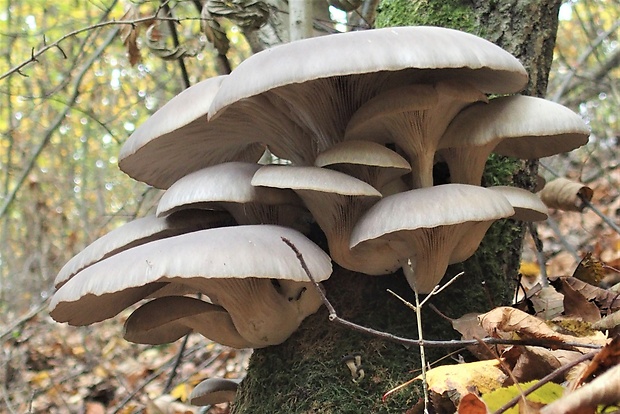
(336, 201)
(517, 126)
(214, 391)
(177, 140)
(332, 79)
(137, 232)
(425, 226)
(164, 320)
(228, 186)
(266, 292)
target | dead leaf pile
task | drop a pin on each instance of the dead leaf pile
(53, 368)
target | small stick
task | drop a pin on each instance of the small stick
(333, 317)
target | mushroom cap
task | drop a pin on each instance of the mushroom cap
(214, 391)
(527, 205)
(177, 140)
(368, 161)
(428, 53)
(521, 126)
(137, 232)
(223, 183)
(164, 320)
(195, 259)
(426, 225)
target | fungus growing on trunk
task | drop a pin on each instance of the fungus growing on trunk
(336, 201)
(164, 320)
(517, 126)
(227, 186)
(425, 226)
(267, 294)
(333, 79)
(413, 118)
(177, 140)
(140, 231)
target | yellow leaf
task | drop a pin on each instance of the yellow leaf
(484, 375)
(529, 269)
(545, 394)
(181, 392)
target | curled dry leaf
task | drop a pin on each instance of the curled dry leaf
(565, 194)
(604, 299)
(503, 321)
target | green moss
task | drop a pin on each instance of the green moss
(455, 14)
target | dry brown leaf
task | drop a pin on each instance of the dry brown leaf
(564, 194)
(502, 322)
(472, 404)
(608, 322)
(608, 357)
(590, 270)
(531, 363)
(576, 305)
(604, 299)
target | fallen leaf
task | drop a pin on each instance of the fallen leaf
(590, 270)
(576, 305)
(565, 194)
(481, 375)
(472, 404)
(546, 394)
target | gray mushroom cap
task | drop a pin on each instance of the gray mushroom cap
(426, 225)
(336, 200)
(228, 186)
(177, 140)
(214, 391)
(248, 270)
(517, 126)
(137, 232)
(331, 79)
(164, 320)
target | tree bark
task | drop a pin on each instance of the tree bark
(306, 373)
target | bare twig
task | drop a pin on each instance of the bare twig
(333, 317)
(9, 331)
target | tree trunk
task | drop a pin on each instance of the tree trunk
(306, 373)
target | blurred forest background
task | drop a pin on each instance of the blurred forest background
(74, 84)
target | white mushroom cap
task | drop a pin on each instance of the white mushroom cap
(366, 160)
(227, 186)
(331, 79)
(248, 270)
(413, 117)
(517, 126)
(528, 206)
(214, 391)
(177, 140)
(137, 232)
(426, 225)
(164, 320)
(336, 201)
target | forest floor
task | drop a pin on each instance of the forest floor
(52, 368)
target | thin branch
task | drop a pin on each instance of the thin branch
(48, 136)
(333, 317)
(35, 54)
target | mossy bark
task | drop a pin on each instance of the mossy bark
(306, 373)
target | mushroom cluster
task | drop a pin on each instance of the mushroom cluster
(358, 122)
